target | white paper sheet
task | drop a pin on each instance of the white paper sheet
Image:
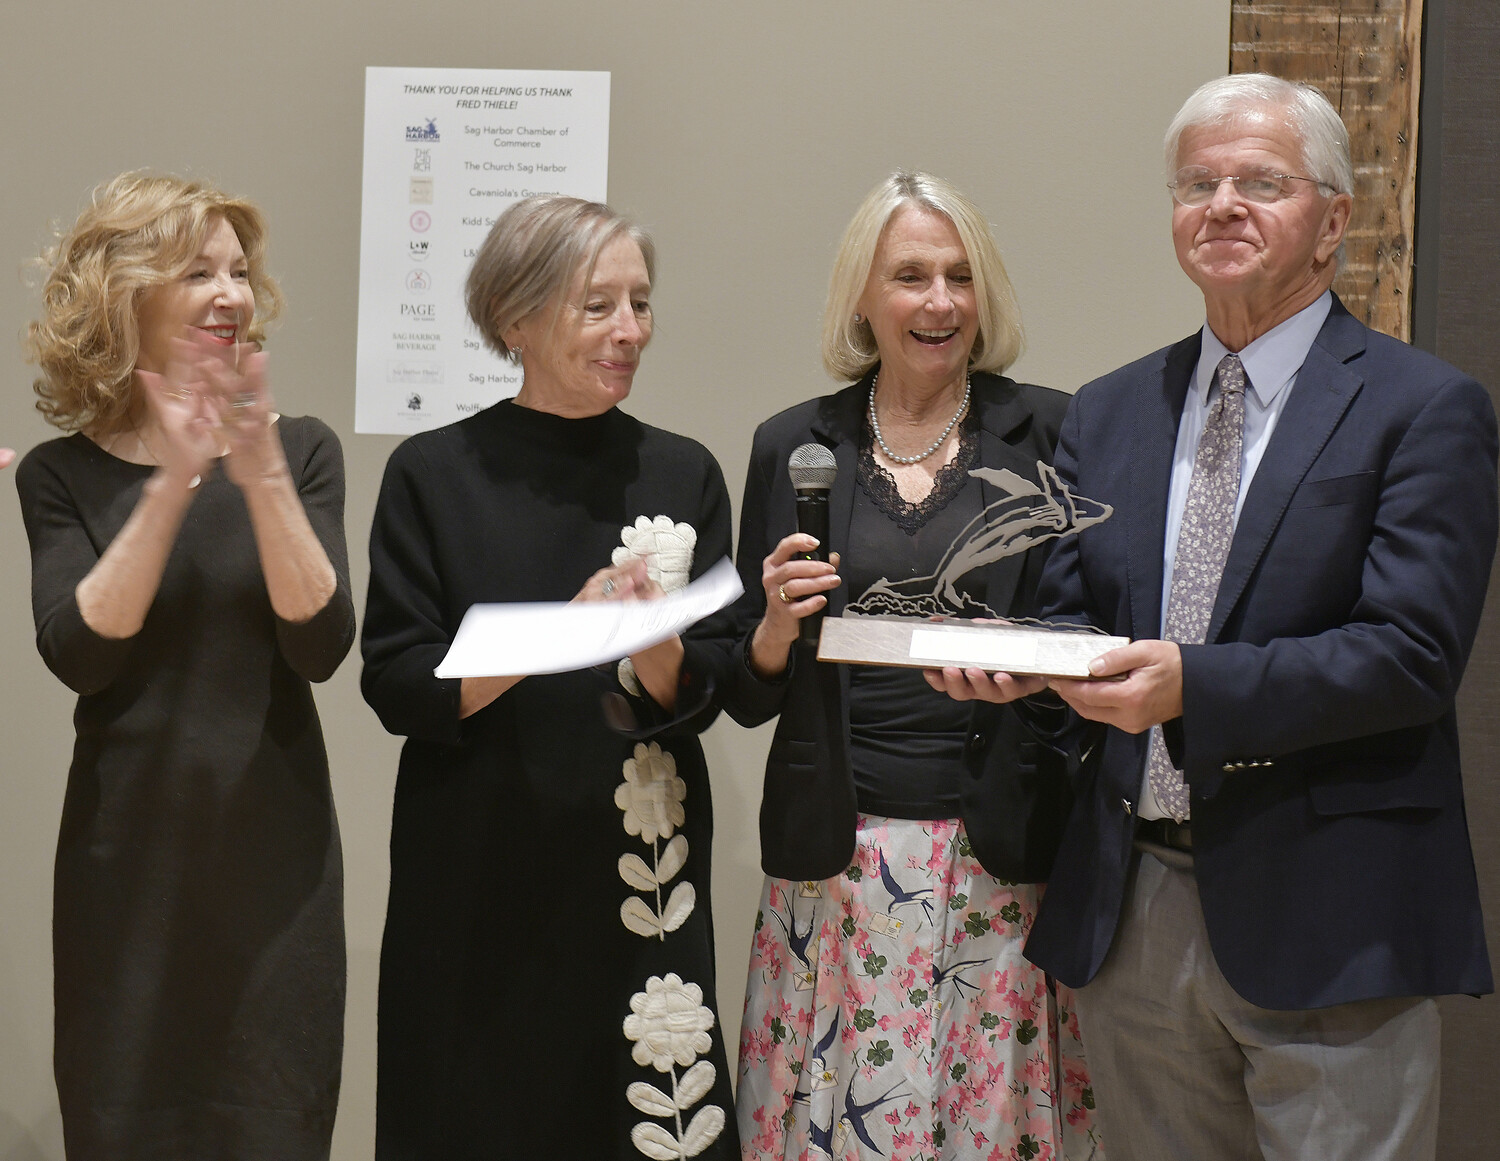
(496, 640)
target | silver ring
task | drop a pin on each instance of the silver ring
(244, 399)
(781, 592)
(607, 587)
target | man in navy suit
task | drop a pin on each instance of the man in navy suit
(1267, 874)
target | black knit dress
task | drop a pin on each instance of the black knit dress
(547, 974)
(198, 927)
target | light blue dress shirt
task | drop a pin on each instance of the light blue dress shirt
(1271, 364)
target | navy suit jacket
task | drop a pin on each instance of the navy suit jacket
(1318, 734)
(1014, 794)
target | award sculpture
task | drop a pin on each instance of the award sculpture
(927, 622)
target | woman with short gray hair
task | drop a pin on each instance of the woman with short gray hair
(546, 978)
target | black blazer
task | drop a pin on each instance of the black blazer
(1015, 796)
(1318, 734)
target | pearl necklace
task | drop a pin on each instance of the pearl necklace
(916, 459)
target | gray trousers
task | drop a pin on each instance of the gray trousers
(1185, 1070)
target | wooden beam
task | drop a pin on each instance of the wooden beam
(1366, 57)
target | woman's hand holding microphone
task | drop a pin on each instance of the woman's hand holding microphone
(795, 588)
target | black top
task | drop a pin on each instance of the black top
(198, 914)
(1013, 793)
(523, 924)
(906, 741)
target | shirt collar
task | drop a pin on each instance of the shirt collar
(1271, 361)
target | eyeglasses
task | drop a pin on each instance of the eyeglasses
(1196, 186)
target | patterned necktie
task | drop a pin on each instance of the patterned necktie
(1202, 546)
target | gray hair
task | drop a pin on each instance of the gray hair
(531, 256)
(849, 350)
(1319, 129)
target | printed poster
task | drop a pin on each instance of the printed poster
(446, 151)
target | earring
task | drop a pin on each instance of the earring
(515, 352)
(859, 318)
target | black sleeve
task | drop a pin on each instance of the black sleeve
(406, 633)
(748, 698)
(62, 553)
(315, 647)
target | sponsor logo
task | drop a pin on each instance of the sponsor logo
(422, 162)
(427, 132)
(414, 372)
(414, 402)
(421, 221)
(418, 249)
(419, 281)
(420, 191)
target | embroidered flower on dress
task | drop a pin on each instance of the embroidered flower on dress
(665, 546)
(668, 1023)
(667, 549)
(651, 795)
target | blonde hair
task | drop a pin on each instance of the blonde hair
(849, 350)
(530, 257)
(138, 232)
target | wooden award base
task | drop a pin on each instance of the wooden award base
(936, 643)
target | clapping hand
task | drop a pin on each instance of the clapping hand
(186, 423)
(237, 388)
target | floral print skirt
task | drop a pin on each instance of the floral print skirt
(889, 1013)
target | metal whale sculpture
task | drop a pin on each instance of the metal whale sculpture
(1027, 515)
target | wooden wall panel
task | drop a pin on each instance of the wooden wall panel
(1460, 253)
(1365, 56)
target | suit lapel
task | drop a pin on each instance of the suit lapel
(1153, 442)
(1324, 388)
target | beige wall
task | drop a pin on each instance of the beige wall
(743, 134)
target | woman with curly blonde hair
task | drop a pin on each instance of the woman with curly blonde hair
(189, 579)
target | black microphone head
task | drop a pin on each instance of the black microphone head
(812, 468)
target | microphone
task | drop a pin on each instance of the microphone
(813, 470)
